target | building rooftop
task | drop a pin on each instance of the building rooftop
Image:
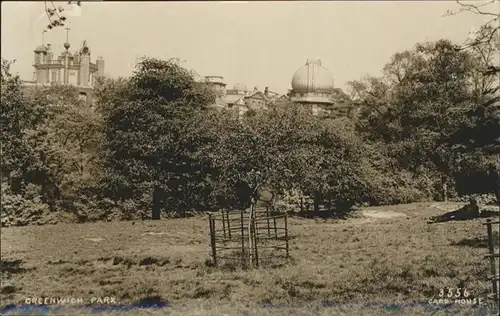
(234, 99)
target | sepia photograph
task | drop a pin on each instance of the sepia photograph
(250, 158)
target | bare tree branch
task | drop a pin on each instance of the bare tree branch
(56, 19)
(56, 9)
(473, 8)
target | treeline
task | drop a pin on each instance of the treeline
(428, 129)
(436, 112)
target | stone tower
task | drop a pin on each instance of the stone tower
(84, 65)
(41, 72)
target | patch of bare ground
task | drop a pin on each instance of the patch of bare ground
(357, 266)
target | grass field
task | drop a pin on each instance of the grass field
(372, 264)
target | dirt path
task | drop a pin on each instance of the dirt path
(416, 210)
(382, 214)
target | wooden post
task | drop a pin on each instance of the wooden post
(255, 239)
(212, 238)
(156, 207)
(445, 192)
(491, 249)
(286, 235)
(302, 204)
(228, 224)
(243, 257)
(268, 225)
(223, 224)
(250, 237)
(275, 228)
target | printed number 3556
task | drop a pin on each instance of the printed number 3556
(454, 293)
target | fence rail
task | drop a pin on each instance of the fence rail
(494, 267)
(248, 238)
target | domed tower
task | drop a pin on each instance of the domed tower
(312, 84)
(240, 88)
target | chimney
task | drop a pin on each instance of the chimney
(100, 66)
(266, 91)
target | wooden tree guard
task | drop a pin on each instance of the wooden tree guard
(249, 236)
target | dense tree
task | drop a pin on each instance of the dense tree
(484, 46)
(148, 138)
(284, 150)
(49, 144)
(266, 150)
(431, 108)
(480, 153)
(13, 121)
(338, 167)
(21, 119)
(484, 131)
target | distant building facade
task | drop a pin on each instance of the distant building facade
(239, 97)
(312, 87)
(75, 69)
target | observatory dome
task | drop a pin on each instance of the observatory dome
(312, 77)
(240, 87)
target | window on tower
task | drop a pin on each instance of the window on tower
(83, 97)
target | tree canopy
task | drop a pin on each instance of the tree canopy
(152, 144)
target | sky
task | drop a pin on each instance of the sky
(259, 44)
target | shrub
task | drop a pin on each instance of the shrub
(18, 210)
